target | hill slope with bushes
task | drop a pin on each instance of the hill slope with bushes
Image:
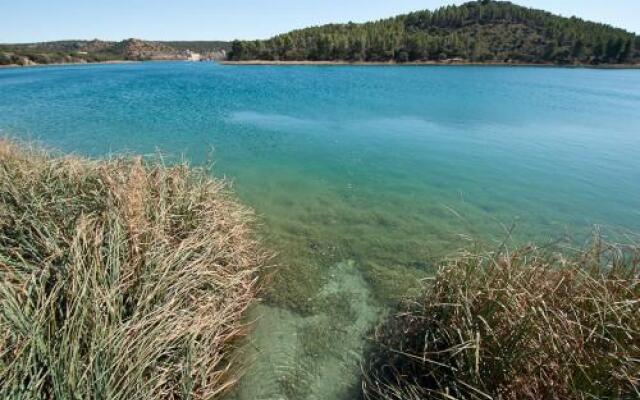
(81, 51)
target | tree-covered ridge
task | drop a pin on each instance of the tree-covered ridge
(478, 31)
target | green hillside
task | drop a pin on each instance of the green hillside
(478, 31)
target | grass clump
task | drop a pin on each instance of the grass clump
(516, 325)
(119, 279)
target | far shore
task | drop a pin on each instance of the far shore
(96, 63)
(70, 63)
(427, 63)
(349, 63)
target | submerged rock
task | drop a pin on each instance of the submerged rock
(311, 357)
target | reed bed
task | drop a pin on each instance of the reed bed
(119, 279)
(527, 324)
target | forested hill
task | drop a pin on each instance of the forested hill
(478, 31)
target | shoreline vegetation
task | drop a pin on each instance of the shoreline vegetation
(515, 324)
(120, 279)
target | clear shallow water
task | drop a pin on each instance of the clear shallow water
(362, 176)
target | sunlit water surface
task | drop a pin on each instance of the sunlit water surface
(363, 177)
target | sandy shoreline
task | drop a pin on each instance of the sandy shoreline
(424, 63)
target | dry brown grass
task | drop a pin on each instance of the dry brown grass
(119, 279)
(516, 325)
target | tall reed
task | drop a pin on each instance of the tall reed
(527, 324)
(119, 279)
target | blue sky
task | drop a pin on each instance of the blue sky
(41, 20)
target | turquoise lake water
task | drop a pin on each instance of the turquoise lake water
(362, 177)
